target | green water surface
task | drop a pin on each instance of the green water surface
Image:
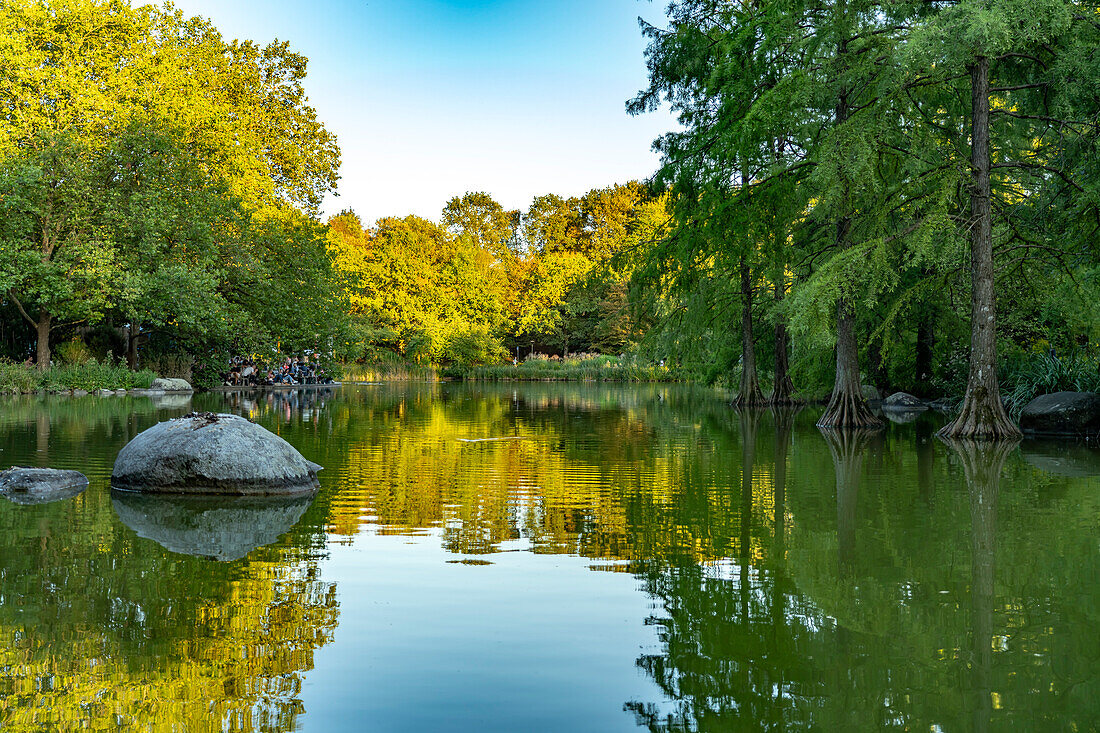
(553, 558)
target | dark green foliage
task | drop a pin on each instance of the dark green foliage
(1027, 377)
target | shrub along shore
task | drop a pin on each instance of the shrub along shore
(90, 376)
(579, 368)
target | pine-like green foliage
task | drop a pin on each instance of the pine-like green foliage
(799, 118)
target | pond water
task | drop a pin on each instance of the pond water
(553, 558)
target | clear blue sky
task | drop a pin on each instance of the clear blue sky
(432, 98)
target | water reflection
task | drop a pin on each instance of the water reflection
(103, 631)
(795, 578)
(216, 527)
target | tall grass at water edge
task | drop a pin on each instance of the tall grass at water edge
(387, 371)
(90, 376)
(580, 368)
(1023, 378)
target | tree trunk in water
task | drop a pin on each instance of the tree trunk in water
(749, 393)
(982, 416)
(43, 330)
(982, 464)
(784, 421)
(750, 424)
(781, 393)
(847, 448)
(847, 408)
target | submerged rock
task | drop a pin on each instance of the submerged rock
(905, 402)
(1061, 458)
(40, 485)
(1062, 413)
(171, 385)
(216, 527)
(207, 453)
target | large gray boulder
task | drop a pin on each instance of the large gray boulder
(904, 402)
(1062, 413)
(220, 528)
(171, 385)
(205, 453)
(40, 485)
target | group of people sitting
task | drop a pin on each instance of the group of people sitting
(246, 372)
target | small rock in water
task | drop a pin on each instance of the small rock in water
(80, 393)
(40, 485)
(105, 393)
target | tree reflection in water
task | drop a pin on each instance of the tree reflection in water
(894, 633)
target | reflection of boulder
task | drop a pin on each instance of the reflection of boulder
(1062, 413)
(897, 415)
(40, 485)
(1061, 458)
(175, 401)
(221, 528)
(204, 453)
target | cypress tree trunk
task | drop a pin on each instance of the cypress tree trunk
(847, 408)
(982, 415)
(42, 328)
(749, 393)
(781, 392)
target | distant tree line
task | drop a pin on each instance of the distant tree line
(486, 283)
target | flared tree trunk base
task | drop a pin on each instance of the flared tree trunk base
(848, 410)
(781, 399)
(751, 398)
(982, 417)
